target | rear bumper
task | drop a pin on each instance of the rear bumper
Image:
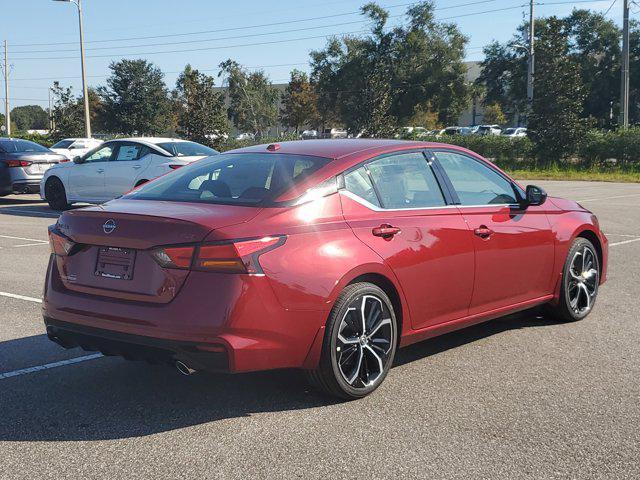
(26, 186)
(212, 313)
(134, 347)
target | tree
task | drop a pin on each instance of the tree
(555, 123)
(201, 112)
(593, 43)
(67, 114)
(30, 117)
(375, 82)
(299, 102)
(135, 100)
(493, 114)
(253, 100)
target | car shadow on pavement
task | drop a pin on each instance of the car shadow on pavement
(108, 398)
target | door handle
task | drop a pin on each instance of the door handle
(137, 166)
(385, 231)
(100, 170)
(483, 231)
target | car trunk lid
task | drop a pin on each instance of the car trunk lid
(114, 258)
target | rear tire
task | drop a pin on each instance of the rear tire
(359, 344)
(55, 194)
(580, 282)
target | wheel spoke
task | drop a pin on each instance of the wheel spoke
(356, 370)
(587, 296)
(381, 323)
(379, 364)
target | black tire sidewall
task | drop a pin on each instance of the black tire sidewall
(351, 293)
(565, 304)
(54, 185)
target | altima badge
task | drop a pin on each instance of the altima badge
(109, 226)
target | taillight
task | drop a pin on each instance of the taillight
(17, 163)
(173, 166)
(64, 160)
(60, 245)
(174, 257)
(237, 256)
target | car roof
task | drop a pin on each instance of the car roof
(151, 140)
(337, 148)
(81, 138)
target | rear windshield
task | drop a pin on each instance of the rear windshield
(234, 179)
(63, 144)
(187, 149)
(21, 146)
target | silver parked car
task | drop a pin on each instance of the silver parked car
(22, 164)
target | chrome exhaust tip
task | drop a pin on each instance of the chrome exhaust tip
(184, 369)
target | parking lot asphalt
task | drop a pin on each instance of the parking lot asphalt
(518, 397)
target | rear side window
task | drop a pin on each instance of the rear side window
(130, 151)
(359, 183)
(236, 179)
(475, 183)
(405, 181)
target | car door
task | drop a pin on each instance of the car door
(124, 168)
(86, 180)
(395, 205)
(514, 245)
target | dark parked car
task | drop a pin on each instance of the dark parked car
(22, 164)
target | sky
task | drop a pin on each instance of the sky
(275, 36)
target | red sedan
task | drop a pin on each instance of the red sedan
(323, 255)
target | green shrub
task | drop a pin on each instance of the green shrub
(44, 140)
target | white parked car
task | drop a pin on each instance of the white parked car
(75, 147)
(515, 132)
(115, 167)
(488, 130)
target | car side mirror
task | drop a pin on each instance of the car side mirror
(535, 195)
(77, 159)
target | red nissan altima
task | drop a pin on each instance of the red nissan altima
(322, 255)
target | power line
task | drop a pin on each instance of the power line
(257, 43)
(285, 22)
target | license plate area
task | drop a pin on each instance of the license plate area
(114, 262)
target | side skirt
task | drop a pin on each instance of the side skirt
(415, 336)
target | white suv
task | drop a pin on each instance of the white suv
(115, 167)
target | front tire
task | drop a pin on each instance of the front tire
(56, 195)
(359, 344)
(580, 282)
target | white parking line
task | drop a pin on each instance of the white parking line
(29, 212)
(624, 242)
(47, 366)
(621, 235)
(30, 244)
(23, 238)
(607, 198)
(20, 297)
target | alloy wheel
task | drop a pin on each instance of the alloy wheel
(583, 279)
(365, 340)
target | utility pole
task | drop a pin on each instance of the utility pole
(7, 114)
(87, 118)
(624, 87)
(50, 111)
(531, 65)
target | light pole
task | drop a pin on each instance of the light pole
(87, 120)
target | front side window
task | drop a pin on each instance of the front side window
(235, 179)
(475, 183)
(359, 183)
(405, 181)
(100, 155)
